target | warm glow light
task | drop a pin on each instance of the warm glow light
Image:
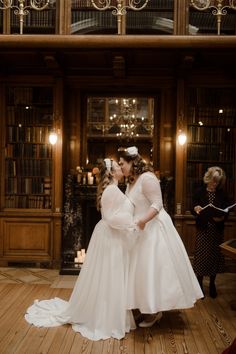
(182, 138)
(53, 138)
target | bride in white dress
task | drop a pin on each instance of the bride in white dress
(161, 276)
(97, 306)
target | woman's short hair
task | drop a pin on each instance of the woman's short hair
(215, 173)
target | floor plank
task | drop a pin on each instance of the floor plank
(207, 328)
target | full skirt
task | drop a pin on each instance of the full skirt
(161, 276)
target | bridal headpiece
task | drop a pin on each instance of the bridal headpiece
(132, 151)
(108, 164)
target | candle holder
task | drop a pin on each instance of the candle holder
(22, 9)
(120, 9)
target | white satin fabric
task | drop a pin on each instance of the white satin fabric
(97, 306)
(161, 276)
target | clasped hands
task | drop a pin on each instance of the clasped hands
(140, 224)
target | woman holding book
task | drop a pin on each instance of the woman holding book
(208, 259)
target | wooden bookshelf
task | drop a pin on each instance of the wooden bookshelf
(31, 200)
(28, 153)
(211, 116)
(159, 17)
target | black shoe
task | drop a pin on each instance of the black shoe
(212, 290)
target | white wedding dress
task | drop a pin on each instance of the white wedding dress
(161, 276)
(97, 306)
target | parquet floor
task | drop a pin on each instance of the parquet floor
(208, 328)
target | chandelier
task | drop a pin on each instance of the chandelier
(119, 8)
(125, 120)
(21, 7)
(218, 8)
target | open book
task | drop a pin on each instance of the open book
(214, 211)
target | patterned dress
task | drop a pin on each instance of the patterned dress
(208, 259)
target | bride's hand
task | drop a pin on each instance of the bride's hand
(141, 224)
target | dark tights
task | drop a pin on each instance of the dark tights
(212, 287)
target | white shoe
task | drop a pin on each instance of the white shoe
(156, 318)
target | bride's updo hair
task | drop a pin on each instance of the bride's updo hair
(104, 178)
(139, 165)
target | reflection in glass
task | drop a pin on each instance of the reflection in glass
(119, 121)
(123, 118)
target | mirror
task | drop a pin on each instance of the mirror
(114, 122)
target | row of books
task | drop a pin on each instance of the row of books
(29, 95)
(206, 134)
(28, 167)
(45, 18)
(21, 150)
(211, 116)
(94, 18)
(28, 185)
(208, 22)
(206, 152)
(134, 19)
(28, 202)
(29, 115)
(16, 134)
(212, 97)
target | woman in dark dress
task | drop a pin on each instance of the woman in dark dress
(208, 259)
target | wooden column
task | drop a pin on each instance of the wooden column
(63, 17)
(180, 184)
(181, 9)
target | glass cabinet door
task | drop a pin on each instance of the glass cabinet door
(113, 122)
(155, 18)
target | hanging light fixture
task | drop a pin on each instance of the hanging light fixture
(126, 121)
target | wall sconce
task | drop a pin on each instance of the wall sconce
(182, 138)
(55, 130)
(53, 137)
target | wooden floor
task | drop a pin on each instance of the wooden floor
(208, 328)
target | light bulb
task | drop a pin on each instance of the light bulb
(53, 138)
(182, 138)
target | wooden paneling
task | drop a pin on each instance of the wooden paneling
(27, 239)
